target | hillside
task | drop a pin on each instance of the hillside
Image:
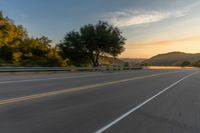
(133, 61)
(111, 61)
(172, 58)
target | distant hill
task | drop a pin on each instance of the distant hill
(133, 61)
(111, 61)
(172, 58)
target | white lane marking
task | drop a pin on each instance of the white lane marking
(142, 104)
(46, 79)
(51, 93)
(56, 78)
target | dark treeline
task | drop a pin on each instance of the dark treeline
(81, 48)
(188, 63)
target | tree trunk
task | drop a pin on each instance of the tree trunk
(92, 60)
(97, 59)
(94, 57)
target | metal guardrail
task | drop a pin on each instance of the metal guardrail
(41, 69)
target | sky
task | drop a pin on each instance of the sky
(151, 27)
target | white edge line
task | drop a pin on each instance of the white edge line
(101, 130)
(46, 79)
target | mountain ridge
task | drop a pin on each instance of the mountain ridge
(172, 59)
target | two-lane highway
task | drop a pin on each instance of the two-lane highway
(139, 101)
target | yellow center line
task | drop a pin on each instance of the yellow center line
(52, 93)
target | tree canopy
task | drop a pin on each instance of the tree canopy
(78, 48)
(17, 48)
(91, 42)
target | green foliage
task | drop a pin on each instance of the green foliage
(16, 48)
(77, 48)
(196, 64)
(185, 63)
(92, 42)
(73, 49)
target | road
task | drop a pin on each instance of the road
(137, 101)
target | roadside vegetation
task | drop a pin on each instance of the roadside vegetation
(179, 64)
(78, 48)
(92, 42)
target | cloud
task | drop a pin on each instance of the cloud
(173, 41)
(137, 17)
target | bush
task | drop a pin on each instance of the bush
(185, 63)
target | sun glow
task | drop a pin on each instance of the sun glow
(149, 49)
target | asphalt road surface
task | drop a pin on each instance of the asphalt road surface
(137, 101)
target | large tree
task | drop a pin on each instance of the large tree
(17, 48)
(11, 36)
(92, 42)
